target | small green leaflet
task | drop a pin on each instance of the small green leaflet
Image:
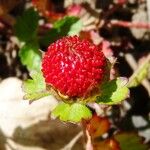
(72, 112)
(30, 56)
(130, 141)
(35, 88)
(113, 92)
(26, 25)
(140, 73)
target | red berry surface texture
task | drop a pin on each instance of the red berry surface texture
(73, 66)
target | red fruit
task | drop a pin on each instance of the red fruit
(73, 66)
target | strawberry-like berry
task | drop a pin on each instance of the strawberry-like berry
(74, 67)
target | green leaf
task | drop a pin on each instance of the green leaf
(50, 37)
(76, 28)
(65, 23)
(35, 88)
(130, 141)
(113, 92)
(63, 27)
(72, 112)
(30, 56)
(140, 73)
(26, 25)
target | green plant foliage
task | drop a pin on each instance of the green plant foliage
(72, 112)
(65, 23)
(26, 31)
(113, 92)
(140, 73)
(30, 56)
(49, 37)
(35, 88)
(26, 25)
(130, 141)
(75, 28)
(63, 27)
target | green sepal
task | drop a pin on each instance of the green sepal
(35, 88)
(113, 92)
(72, 112)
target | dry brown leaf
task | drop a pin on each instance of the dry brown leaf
(97, 126)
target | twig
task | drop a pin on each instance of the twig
(131, 61)
(148, 10)
(73, 141)
(133, 64)
(130, 24)
(89, 145)
(11, 144)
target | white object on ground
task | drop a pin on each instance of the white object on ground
(15, 112)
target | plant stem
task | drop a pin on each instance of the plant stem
(86, 135)
(130, 24)
(73, 141)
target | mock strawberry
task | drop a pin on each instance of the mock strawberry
(73, 67)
